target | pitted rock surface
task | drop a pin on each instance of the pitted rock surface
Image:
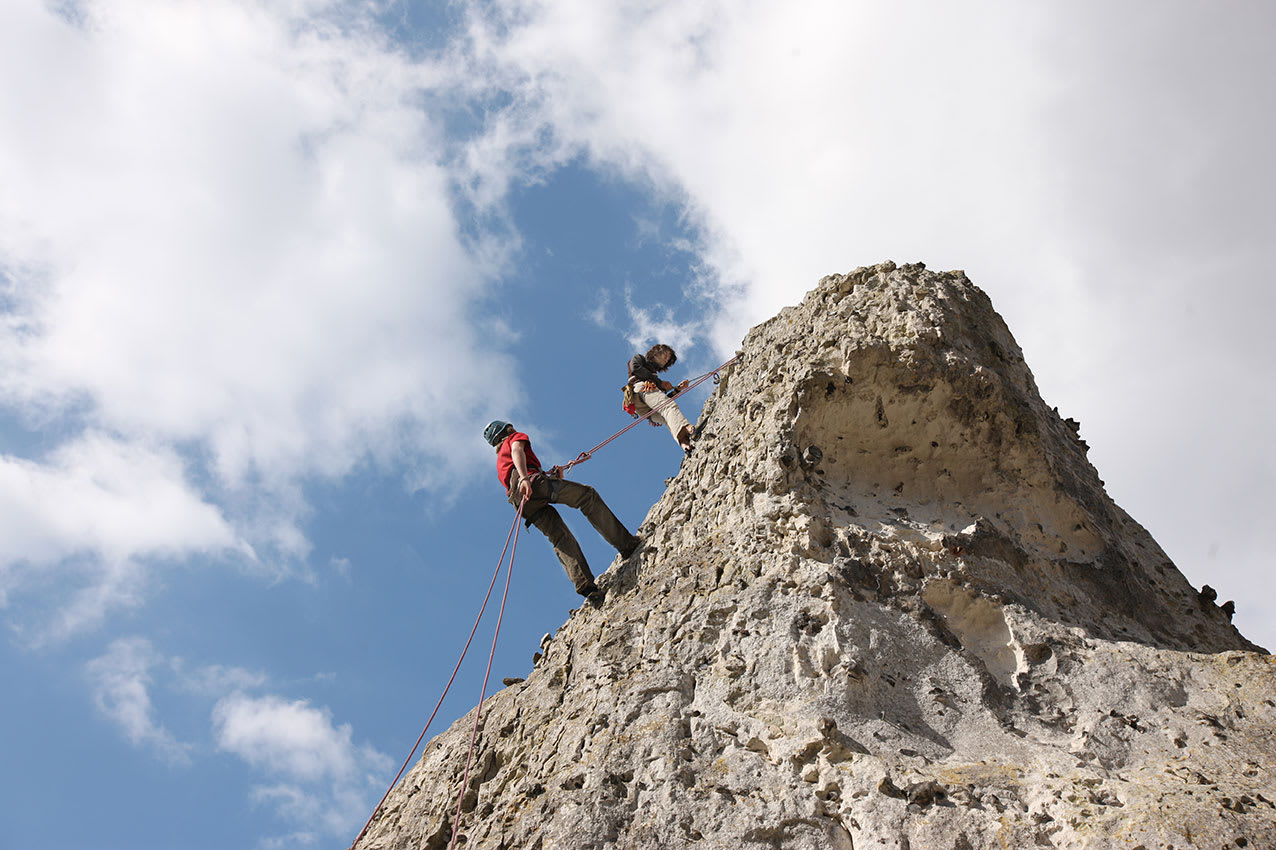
(886, 604)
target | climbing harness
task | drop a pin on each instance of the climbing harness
(557, 472)
(513, 534)
(629, 398)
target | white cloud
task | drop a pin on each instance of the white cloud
(121, 681)
(325, 779)
(225, 231)
(802, 136)
(98, 494)
(241, 237)
(105, 506)
(292, 739)
(1100, 171)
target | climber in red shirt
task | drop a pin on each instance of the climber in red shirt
(520, 474)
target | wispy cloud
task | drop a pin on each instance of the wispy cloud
(654, 323)
(598, 313)
(121, 682)
(215, 680)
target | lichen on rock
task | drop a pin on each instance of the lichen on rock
(886, 604)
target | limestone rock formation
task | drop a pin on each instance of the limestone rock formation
(886, 604)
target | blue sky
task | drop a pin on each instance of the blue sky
(266, 269)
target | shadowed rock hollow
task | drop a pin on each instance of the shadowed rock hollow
(886, 604)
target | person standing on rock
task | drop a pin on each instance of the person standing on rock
(649, 393)
(519, 471)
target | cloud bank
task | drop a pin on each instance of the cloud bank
(229, 262)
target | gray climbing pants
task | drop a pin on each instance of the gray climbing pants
(539, 511)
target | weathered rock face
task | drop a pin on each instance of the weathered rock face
(886, 604)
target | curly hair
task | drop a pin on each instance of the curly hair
(661, 348)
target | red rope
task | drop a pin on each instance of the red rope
(561, 471)
(478, 712)
(512, 534)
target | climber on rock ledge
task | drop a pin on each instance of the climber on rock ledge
(647, 392)
(519, 471)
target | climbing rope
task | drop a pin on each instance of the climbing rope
(561, 471)
(478, 712)
(513, 534)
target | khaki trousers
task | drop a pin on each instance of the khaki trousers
(539, 511)
(671, 417)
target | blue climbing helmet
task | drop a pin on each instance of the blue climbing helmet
(492, 433)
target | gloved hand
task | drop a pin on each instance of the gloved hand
(648, 387)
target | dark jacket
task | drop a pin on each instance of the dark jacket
(641, 370)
